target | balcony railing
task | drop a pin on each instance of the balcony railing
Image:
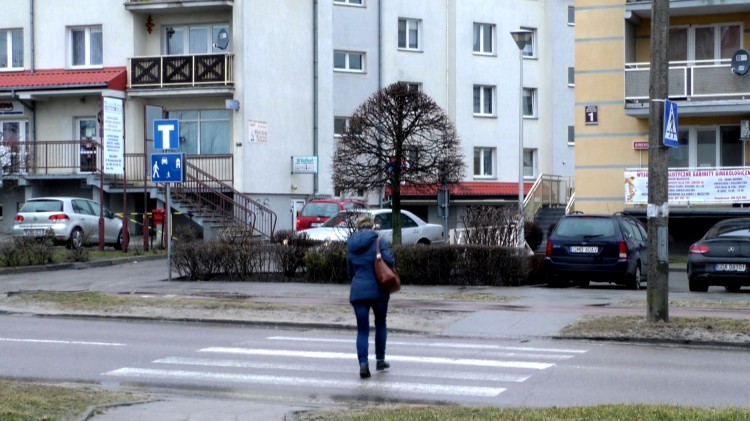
(199, 70)
(75, 157)
(695, 80)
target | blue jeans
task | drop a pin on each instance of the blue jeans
(362, 312)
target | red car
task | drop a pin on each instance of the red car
(317, 211)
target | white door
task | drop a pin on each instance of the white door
(88, 135)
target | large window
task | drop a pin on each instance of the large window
(194, 39)
(11, 49)
(204, 132)
(484, 162)
(349, 61)
(408, 34)
(484, 38)
(484, 100)
(86, 47)
(529, 102)
(707, 147)
(704, 42)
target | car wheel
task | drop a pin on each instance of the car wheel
(118, 244)
(423, 242)
(635, 279)
(732, 287)
(76, 239)
(695, 286)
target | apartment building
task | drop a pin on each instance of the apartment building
(262, 90)
(708, 167)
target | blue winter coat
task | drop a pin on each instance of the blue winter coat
(360, 260)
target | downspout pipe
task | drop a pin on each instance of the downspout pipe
(315, 96)
(31, 34)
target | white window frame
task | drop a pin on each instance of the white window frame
(346, 121)
(484, 90)
(532, 96)
(212, 29)
(8, 35)
(87, 31)
(694, 152)
(416, 86)
(529, 172)
(410, 24)
(530, 50)
(347, 62)
(480, 172)
(355, 3)
(483, 42)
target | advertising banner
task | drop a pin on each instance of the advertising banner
(693, 185)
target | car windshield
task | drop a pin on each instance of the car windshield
(342, 219)
(320, 209)
(42, 206)
(586, 227)
(731, 229)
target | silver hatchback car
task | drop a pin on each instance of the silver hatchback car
(71, 221)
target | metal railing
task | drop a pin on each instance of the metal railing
(183, 70)
(548, 190)
(699, 79)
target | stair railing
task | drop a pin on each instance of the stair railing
(548, 190)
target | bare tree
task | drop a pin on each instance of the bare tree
(399, 136)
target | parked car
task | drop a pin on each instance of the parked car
(721, 257)
(413, 229)
(597, 248)
(317, 211)
(71, 221)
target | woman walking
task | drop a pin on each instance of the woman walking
(365, 292)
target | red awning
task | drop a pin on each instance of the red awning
(467, 188)
(115, 78)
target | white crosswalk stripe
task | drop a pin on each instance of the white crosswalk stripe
(421, 369)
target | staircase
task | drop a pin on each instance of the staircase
(545, 217)
(218, 207)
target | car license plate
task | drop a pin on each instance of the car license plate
(34, 232)
(730, 267)
(584, 249)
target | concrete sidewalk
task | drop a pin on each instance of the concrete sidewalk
(531, 312)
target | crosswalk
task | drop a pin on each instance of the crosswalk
(421, 370)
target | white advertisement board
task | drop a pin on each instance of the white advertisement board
(113, 136)
(693, 185)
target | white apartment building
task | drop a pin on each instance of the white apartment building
(259, 85)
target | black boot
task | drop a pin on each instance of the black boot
(382, 365)
(364, 370)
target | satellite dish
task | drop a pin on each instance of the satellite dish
(740, 62)
(222, 39)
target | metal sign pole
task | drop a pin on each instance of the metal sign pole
(167, 225)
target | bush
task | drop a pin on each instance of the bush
(533, 234)
(425, 265)
(327, 263)
(24, 251)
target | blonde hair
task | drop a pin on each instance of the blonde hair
(364, 222)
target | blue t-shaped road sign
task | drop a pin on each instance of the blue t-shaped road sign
(167, 167)
(166, 134)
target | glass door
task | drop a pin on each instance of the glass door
(13, 146)
(87, 136)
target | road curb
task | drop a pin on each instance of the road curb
(79, 265)
(655, 341)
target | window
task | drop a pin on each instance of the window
(483, 100)
(340, 124)
(484, 35)
(571, 15)
(11, 49)
(193, 39)
(205, 132)
(529, 100)
(530, 49)
(350, 2)
(571, 76)
(413, 86)
(86, 47)
(571, 135)
(483, 162)
(408, 34)
(529, 163)
(717, 146)
(349, 61)
(705, 42)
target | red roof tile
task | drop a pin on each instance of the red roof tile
(106, 78)
(468, 188)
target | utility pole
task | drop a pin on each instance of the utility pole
(657, 211)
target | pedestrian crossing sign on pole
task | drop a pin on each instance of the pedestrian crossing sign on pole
(670, 124)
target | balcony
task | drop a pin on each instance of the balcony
(703, 87)
(190, 71)
(156, 7)
(641, 9)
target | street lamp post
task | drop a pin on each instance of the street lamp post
(522, 38)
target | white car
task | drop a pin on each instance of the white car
(413, 229)
(72, 221)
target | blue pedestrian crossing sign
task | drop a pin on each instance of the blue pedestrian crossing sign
(166, 134)
(670, 124)
(167, 167)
